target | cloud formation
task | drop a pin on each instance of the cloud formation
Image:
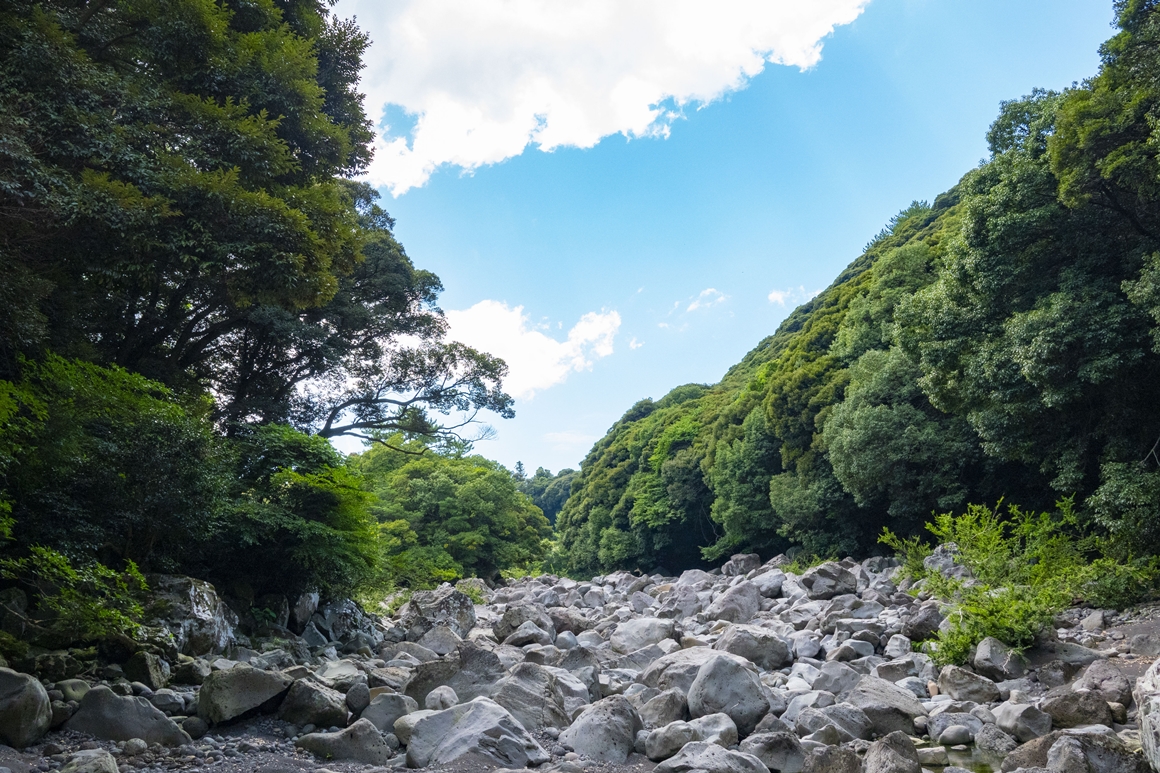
(710, 296)
(797, 294)
(474, 82)
(535, 361)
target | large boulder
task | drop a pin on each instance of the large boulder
(741, 563)
(90, 761)
(963, 685)
(605, 732)
(758, 645)
(25, 710)
(191, 610)
(769, 583)
(893, 753)
(724, 685)
(518, 614)
(737, 605)
(361, 742)
(311, 703)
(664, 742)
(1076, 709)
(924, 623)
(481, 728)
(995, 660)
(704, 757)
(472, 672)
(385, 708)
(832, 759)
(1093, 752)
(1021, 720)
(677, 669)
(1147, 695)
(637, 634)
(780, 751)
(111, 717)
(828, 580)
(1105, 679)
(889, 707)
(229, 694)
(534, 696)
(442, 606)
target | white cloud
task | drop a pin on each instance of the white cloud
(478, 81)
(797, 294)
(535, 360)
(708, 297)
(635, 344)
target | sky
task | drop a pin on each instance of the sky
(623, 196)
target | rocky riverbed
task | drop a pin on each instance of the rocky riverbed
(746, 669)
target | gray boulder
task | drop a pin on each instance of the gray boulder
(90, 761)
(528, 633)
(1022, 720)
(670, 706)
(923, 624)
(361, 742)
(963, 685)
(191, 610)
(832, 759)
(710, 758)
(385, 708)
(664, 742)
(741, 563)
(111, 717)
(534, 696)
(441, 698)
(472, 672)
(1105, 679)
(1075, 709)
(889, 707)
(481, 728)
(781, 751)
(1091, 752)
(737, 605)
(518, 614)
(994, 659)
(442, 606)
(769, 583)
(310, 703)
(994, 741)
(358, 697)
(828, 580)
(1146, 644)
(893, 753)
(226, 695)
(760, 646)
(637, 634)
(677, 669)
(148, 669)
(441, 640)
(1147, 695)
(25, 710)
(724, 685)
(605, 732)
(940, 722)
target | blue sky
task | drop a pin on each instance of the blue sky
(670, 248)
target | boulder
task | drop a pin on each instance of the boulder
(310, 703)
(938, 723)
(670, 706)
(893, 753)
(994, 741)
(737, 605)
(832, 759)
(25, 710)
(923, 624)
(605, 732)
(1145, 644)
(472, 672)
(528, 633)
(741, 563)
(193, 613)
(637, 634)
(1075, 709)
(781, 751)
(441, 640)
(358, 697)
(1105, 679)
(828, 580)
(442, 606)
(1021, 720)
(1091, 752)
(518, 614)
(664, 742)
(889, 707)
(769, 583)
(361, 742)
(725, 685)
(710, 758)
(944, 559)
(301, 612)
(441, 698)
(227, 695)
(995, 660)
(148, 669)
(111, 717)
(405, 724)
(836, 678)
(1147, 695)
(481, 728)
(385, 708)
(963, 685)
(534, 696)
(677, 669)
(90, 761)
(760, 646)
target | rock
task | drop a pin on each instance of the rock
(472, 672)
(832, 759)
(405, 724)
(664, 742)
(781, 752)
(195, 726)
(25, 709)
(528, 633)
(893, 753)
(923, 624)
(1147, 695)
(167, 701)
(190, 670)
(1090, 752)
(227, 695)
(191, 610)
(1075, 709)
(534, 696)
(704, 757)
(73, 689)
(518, 614)
(637, 634)
(301, 612)
(481, 728)
(441, 640)
(385, 708)
(963, 685)
(442, 606)
(1022, 720)
(944, 559)
(134, 747)
(1146, 644)
(111, 717)
(605, 732)
(760, 646)
(310, 703)
(828, 580)
(737, 605)
(677, 669)
(939, 723)
(670, 706)
(741, 563)
(836, 678)
(1107, 680)
(954, 735)
(441, 698)
(769, 583)
(90, 761)
(148, 669)
(889, 707)
(993, 740)
(358, 697)
(725, 685)
(994, 660)
(361, 742)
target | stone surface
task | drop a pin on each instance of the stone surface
(518, 614)
(780, 751)
(111, 717)
(893, 753)
(1075, 709)
(1022, 720)
(1147, 695)
(737, 605)
(148, 669)
(758, 645)
(828, 580)
(640, 633)
(191, 610)
(443, 606)
(534, 696)
(995, 741)
(90, 761)
(701, 757)
(310, 703)
(226, 695)
(832, 759)
(1104, 678)
(725, 685)
(994, 660)
(481, 728)
(606, 731)
(25, 709)
(923, 624)
(963, 685)
(889, 707)
(361, 742)
(670, 706)
(385, 708)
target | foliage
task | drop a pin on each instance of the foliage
(80, 603)
(911, 551)
(549, 492)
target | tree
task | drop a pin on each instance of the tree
(549, 492)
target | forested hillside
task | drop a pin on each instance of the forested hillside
(1003, 341)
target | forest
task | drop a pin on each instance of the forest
(197, 296)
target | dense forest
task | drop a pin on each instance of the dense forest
(1002, 341)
